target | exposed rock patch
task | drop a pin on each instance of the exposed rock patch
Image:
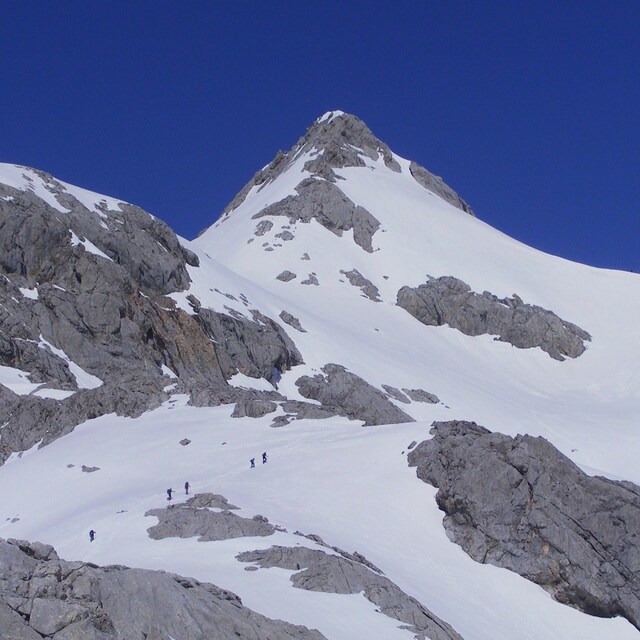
(420, 395)
(292, 321)
(436, 185)
(311, 279)
(450, 301)
(43, 596)
(249, 406)
(396, 394)
(322, 201)
(194, 518)
(210, 501)
(319, 571)
(519, 503)
(264, 226)
(286, 276)
(346, 394)
(369, 290)
(254, 348)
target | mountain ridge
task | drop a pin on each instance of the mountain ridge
(337, 291)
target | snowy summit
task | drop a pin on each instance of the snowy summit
(349, 402)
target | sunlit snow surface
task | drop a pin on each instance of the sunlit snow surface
(348, 484)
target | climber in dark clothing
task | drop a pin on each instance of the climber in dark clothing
(169, 492)
(253, 462)
(264, 457)
(186, 488)
(92, 535)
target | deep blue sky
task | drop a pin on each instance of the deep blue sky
(530, 110)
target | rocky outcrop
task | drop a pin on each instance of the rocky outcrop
(322, 201)
(369, 290)
(436, 185)
(450, 301)
(420, 395)
(292, 321)
(29, 420)
(84, 309)
(328, 573)
(254, 348)
(519, 503)
(251, 406)
(195, 518)
(396, 394)
(346, 394)
(340, 140)
(42, 596)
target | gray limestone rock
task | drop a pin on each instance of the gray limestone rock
(188, 519)
(346, 394)
(307, 410)
(48, 597)
(254, 348)
(86, 469)
(337, 142)
(311, 279)
(210, 501)
(99, 279)
(285, 235)
(319, 571)
(280, 421)
(450, 301)
(322, 201)
(369, 290)
(286, 276)
(420, 395)
(29, 420)
(249, 406)
(264, 226)
(292, 321)
(436, 185)
(396, 394)
(519, 503)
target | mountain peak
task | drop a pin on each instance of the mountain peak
(344, 138)
(337, 140)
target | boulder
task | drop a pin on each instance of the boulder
(450, 301)
(520, 504)
(346, 394)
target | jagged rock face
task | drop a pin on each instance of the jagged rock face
(335, 141)
(292, 321)
(252, 348)
(519, 503)
(30, 420)
(319, 571)
(43, 596)
(322, 201)
(436, 185)
(35, 239)
(87, 287)
(346, 394)
(450, 301)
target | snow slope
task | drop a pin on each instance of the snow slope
(348, 484)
